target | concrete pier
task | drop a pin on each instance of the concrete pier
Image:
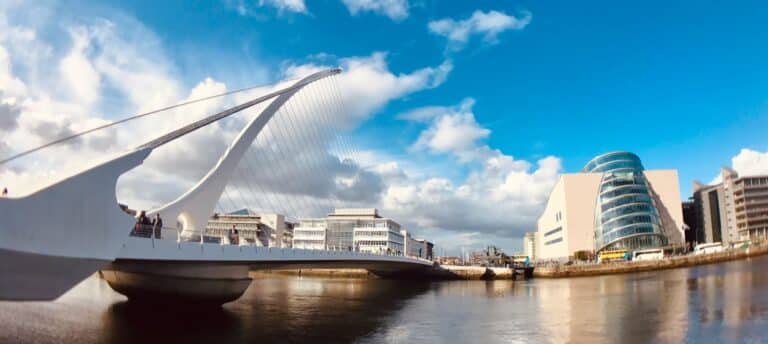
(185, 282)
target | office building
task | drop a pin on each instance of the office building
(361, 230)
(309, 234)
(529, 245)
(413, 247)
(429, 248)
(733, 210)
(613, 203)
(267, 230)
(690, 219)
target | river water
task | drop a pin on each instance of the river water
(721, 303)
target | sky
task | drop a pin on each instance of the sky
(463, 113)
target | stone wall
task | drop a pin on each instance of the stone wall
(559, 271)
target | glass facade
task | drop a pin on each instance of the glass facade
(626, 217)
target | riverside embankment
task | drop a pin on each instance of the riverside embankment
(578, 270)
(439, 272)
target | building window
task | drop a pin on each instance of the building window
(556, 230)
(554, 241)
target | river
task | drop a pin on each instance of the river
(720, 303)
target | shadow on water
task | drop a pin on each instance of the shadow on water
(131, 322)
(285, 309)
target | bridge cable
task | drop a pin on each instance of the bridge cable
(128, 119)
(331, 134)
(285, 121)
(332, 117)
(311, 133)
(271, 143)
(340, 105)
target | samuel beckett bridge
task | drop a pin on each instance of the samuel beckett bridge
(56, 236)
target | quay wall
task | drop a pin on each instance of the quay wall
(330, 273)
(443, 272)
(577, 270)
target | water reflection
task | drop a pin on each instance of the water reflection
(273, 309)
(722, 303)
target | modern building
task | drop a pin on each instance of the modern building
(381, 237)
(413, 247)
(613, 203)
(429, 249)
(267, 230)
(359, 230)
(692, 225)
(731, 211)
(310, 234)
(529, 245)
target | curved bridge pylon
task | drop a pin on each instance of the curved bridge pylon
(57, 236)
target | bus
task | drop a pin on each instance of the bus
(649, 254)
(708, 248)
(612, 256)
(520, 260)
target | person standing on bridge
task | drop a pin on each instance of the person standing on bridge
(142, 224)
(5, 192)
(157, 225)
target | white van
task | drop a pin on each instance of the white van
(649, 254)
(708, 248)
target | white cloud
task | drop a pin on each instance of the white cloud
(750, 162)
(500, 197)
(452, 130)
(9, 114)
(394, 9)
(367, 84)
(77, 71)
(297, 6)
(250, 7)
(488, 24)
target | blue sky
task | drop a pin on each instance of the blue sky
(681, 84)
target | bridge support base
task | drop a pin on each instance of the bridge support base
(177, 282)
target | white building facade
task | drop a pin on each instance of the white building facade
(310, 234)
(265, 230)
(380, 238)
(361, 230)
(529, 245)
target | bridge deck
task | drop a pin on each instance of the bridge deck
(136, 248)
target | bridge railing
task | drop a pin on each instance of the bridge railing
(153, 233)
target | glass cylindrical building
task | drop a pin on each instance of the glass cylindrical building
(626, 216)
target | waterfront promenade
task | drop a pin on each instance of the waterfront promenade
(578, 270)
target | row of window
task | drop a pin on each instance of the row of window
(618, 156)
(628, 220)
(756, 181)
(378, 243)
(634, 189)
(624, 210)
(611, 236)
(626, 200)
(307, 241)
